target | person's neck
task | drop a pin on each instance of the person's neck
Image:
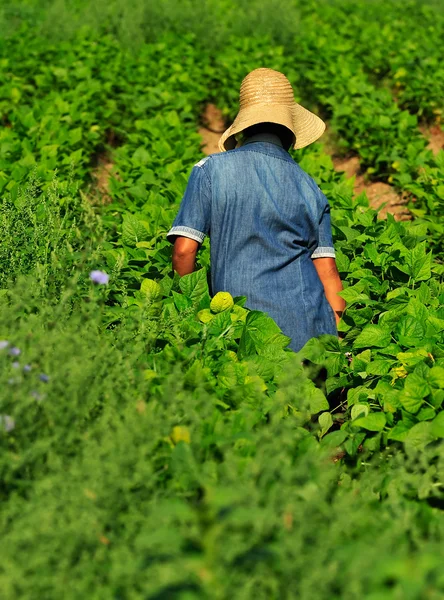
(264, 137)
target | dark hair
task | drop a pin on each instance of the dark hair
(285, 135)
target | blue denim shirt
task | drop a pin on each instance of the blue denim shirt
(267, 220)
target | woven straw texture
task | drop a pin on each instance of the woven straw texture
(266, 96)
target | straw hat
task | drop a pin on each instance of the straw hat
(266, 96)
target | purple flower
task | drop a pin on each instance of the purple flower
(14, 351)
(7, 422)
(27, 368)
(44, 377)
(99, 277)
(16, 364)
(3, 344)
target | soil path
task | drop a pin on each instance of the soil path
(103, 171)
(435, 136)
(101, 176)
(213, 125)
(378, 192)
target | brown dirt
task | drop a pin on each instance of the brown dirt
(213, 125)
(435, 135)
(103, 171)
(377, 192)
(101, 176)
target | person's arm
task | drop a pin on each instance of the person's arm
(192, 222)
(184, 255)
(329, 276)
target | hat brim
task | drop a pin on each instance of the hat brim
(305, 125)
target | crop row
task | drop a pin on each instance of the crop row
(153, 447)
(383, 264)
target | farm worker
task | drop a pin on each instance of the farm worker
(268, 221)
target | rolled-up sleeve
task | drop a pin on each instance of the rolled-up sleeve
(193, 219)
(325, 248)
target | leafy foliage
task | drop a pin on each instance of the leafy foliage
(160, 443)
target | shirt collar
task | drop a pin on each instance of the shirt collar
(264, 137)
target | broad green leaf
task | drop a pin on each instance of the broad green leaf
(437, 399)
(379, 367)
(181, 301)
(205, 315)
(419, 262)
(351, 295)
(334, 383)
(169, 311)
(330, 342)
(325, 421)
(427, 413)
(422, 370)
(221, 301)
(316, 400)
(194, 285)
(239, 314)
(436, 323)
(349, 233)
(399, 432)
(263, 367)
(137, 191)
(416, 386)
(420, 434)
(141, 156)
(436, 377)
(220, 323)
(75, 135)
(314, 350)
(172, 118)
(151, 289)
(357, 394)
(438, 425)
(259, 332)
(360, 361)
(391, 400)
(231, 374)
(240, 300)
(397, 292)
(342, 262)
(372, 422)
(359, 410)
(359, 316)
(132, 230)
(412, 358)
(416, 309)
(351, 446)
(335, 362)
(414, 392)
(373, 336)
(409, 330)
(334, 439)
(371, 252)
(391, 317)
(373, 443)
(423, 293)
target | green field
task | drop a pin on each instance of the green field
(154, 449)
